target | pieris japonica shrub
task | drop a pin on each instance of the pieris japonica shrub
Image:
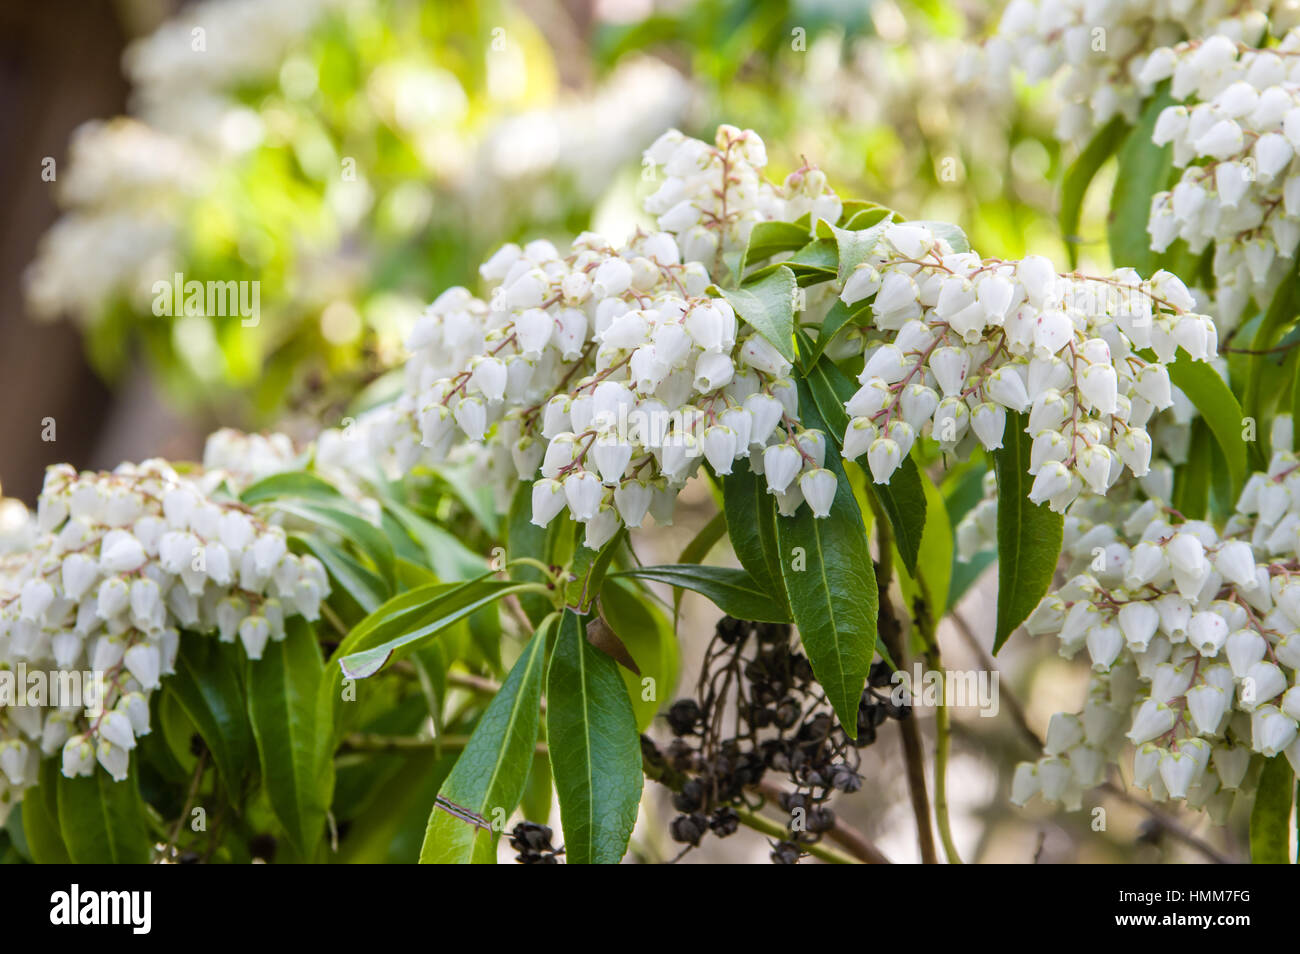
(426, 625)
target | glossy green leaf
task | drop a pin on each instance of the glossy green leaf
(767, 305)
(648, 636)
(1143, 171)
(830, 582)
(855, 247)
(443, 610)
(751, 525)
(1079, 176)
(292, 484)
(102, 821)
(492, 771)
(366, 589)
(588, 571)
(1029, 535)
(356, 530)
(1220, 410)
(40, 807)
(903, 498)
(293, 744)
(595, 748)
(208, 689)
(771, 238)
(1270, 819)
(733, 591)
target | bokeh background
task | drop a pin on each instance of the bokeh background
(355, 157)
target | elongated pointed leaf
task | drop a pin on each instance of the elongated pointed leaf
(830, 583)
(595, 748)
(771, 238)
(1074, 185)
(768, 306)
(733, 591)
(293, 745)
(1219, 407)
(40, 806)
(903, 498)
(1270, 819)
(751, 526)
(1029, 535)
(295, 483)
(364, 535)
(490, 776)
(1143, 171)
(207, 687)
(103, 821)
(647, 635)
(443, 611)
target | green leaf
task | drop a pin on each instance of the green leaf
(1270, 819)
(1220, 410)
(40, 807)
(588, 571)
(830, 582)
(207, 688)
(595, 748)
(933, 574)
(751, 525)
(1143, 171)
(648, 637)
(364, 586)
(836, 318)
(1074, 185)
(855, 247)
(360, 532)
(1029, 535)
(768, 306)
(1279, 317)
(733, 591)
(524, 539)
(293, 484)
(904, 501)
(440, 613)
(903, 498)
(492, 771)
(103, 822)
(293, 745)
(772, 238)
(1192, 478)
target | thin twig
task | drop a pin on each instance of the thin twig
(189, 803)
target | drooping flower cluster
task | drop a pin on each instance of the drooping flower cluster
(614, 371)
(968, 339)
(1101, 49)
(1236, 140)
(1194, 638)
(123, 563)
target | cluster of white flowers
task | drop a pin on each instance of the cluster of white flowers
(714, 193)
(968, 339)
(1101, 48)
(1194, 638)
(122, 564)
(614, 371)
(1236, 141)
